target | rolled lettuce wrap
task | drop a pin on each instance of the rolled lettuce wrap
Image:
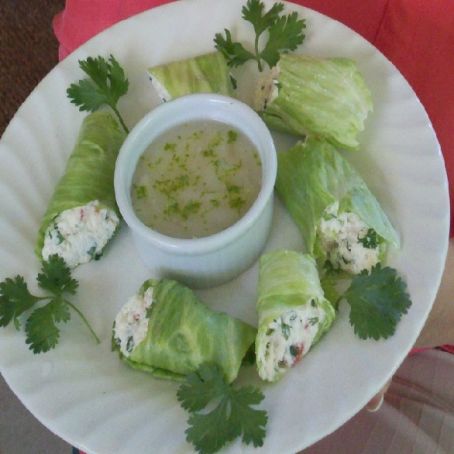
(167, 331)
(82, 215)
(325, 98)
(206, 73)
(293, 313)
(341, 221)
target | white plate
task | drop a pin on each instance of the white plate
(81, 391)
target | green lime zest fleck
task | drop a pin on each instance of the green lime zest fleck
(233, 189)
(231, 136)
(170, 146)
(236, 203)
(190, 208)
(141, 191)
(209, 153)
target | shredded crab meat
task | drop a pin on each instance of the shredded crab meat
(79, 234)
(131, 323)
(341, 237)
(288, 338)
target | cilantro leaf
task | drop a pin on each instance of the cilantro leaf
(234, 53)
(86, 95)
(231, 415)
(252, 422)
(211, 431)
(56, 276)
(107, 83)
(15, 299)
(195, 394)
(371, 240)
(253, 13)
(41, 329)
(378, 300)
(41, 326)
(285, 34)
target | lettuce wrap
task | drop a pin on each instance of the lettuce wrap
(82, 214)
(206, 73)
(292, 311)
(341, 221)
(166, 331)
(325, 98)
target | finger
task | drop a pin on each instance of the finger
(377, 401)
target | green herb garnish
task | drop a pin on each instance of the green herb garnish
(285, 33)
(377, 299)
(371, 240)
(42, 332)
(141, 191)
(106, 84)
(230, 416)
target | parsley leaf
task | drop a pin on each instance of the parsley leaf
(56, 276)
(107, 83)
(234, 53)
(41, 329)
(378, 300)
(231, 415)
(41, 325)
(200, 388)
(253, 13)
(15, 299)
(371, 240)
(285, 33)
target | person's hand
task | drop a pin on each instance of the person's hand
(377, 401)
(438, 329)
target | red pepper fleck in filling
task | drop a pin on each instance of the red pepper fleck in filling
(297, 352)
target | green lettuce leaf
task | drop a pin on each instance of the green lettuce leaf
(322, 97)
(206, 73)
(89, 172)
(311, 176)
(183, 334)
(288, 280)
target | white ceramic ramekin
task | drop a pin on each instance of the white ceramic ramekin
(215, 259)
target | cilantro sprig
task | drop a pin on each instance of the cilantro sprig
(106, 84)
(285, 33)
(229, 414)
(377, 299)
(42, 332)
(371, 240)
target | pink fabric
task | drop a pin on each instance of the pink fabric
(363, 16)
(82, 19)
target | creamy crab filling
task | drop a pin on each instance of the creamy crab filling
(131, 323)
(79, 234)
(349, 244)
(288, 338)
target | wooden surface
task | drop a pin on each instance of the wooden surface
(28, 50)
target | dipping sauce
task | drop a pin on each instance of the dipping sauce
(196, 179)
